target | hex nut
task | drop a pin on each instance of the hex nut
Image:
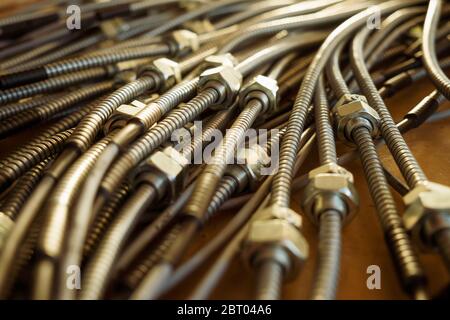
(217, 60)
(276, 212)
(227, 78)
(354, 114)
(253, 160)
(186, 39)
(330, 187)
(168, 165)
(122, 115)
(266, 234)
(427, 212)
(261, 84)
(348, 98)
(169, 72)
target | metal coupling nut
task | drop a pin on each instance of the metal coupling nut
(122, 115)
(351, 112)
(330, 187)
(168, 71)
(427, 212)
(166, 171)
(275, 239)
(264, 89)
(223, 78)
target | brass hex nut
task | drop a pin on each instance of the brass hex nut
(170, 168)
(253, 160)
(265, 234)
(228, 78)
(266, 86)
(217, 60)
(186, 39)
(330, 187)
(122, 115)
(427, 212)
(348, 116)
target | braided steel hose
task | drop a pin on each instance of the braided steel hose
(56, 219)
(436, 74)
(81, 63)
(290, 144)
(97, 272)
(398, 241)
(327, 276)
(400, 151)
(142, 148)
(210, 177)
(103, 219)
(48, 110)
(20, 162)
(52, 85)
(269, 280)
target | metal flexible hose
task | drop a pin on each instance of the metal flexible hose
(90, 126)
(79, 64)
(210, 177)
(14, 108)
(20, 162)
(97, 270)
(292, 23)
(399, 243)
(45, 112)
(289, 147)
(32, 54)
(142, 148)
(269, 280)
(226, 188)
(56, 211)
(436, 74)
(327, 274)
(22, 189)
(394, 140)
(324, 130)
(63, 52)
(52, 85)
(103, 219)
